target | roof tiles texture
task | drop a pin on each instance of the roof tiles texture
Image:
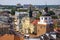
(10, 37)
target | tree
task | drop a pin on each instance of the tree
(55, 17)
(13, 11)
(55, 25)
(46, 9)
(51, 13)
(39, 14)
(58, 15)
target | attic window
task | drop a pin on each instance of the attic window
(45, 18)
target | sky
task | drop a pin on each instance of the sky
(33, 2)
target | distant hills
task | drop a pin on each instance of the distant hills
(43, 6)
(26, 6)
(7, 6)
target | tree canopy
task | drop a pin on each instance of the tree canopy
(46, 9)
(51, 13)
(39, 14)
(55, 17)
(13, 11)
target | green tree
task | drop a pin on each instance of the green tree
(13, 11)
(55, 25)
(51, 13)
(46, 9)
(55, 17)
(59, 16)
(39, 14)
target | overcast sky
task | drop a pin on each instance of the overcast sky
(34, 2)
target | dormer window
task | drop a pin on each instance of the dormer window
(45, 18)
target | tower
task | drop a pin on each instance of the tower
(30, 11)
(46, 9)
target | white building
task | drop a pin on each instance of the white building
(45, 20)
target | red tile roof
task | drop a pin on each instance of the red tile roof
(35, 22)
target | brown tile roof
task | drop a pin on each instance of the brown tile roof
(10, 37)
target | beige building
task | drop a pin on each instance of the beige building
(27, 27)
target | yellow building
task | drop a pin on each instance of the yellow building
(27, 27)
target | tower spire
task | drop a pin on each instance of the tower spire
(46, 8)
(30, 11)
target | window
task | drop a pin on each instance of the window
(45, 18)
(42, 18)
